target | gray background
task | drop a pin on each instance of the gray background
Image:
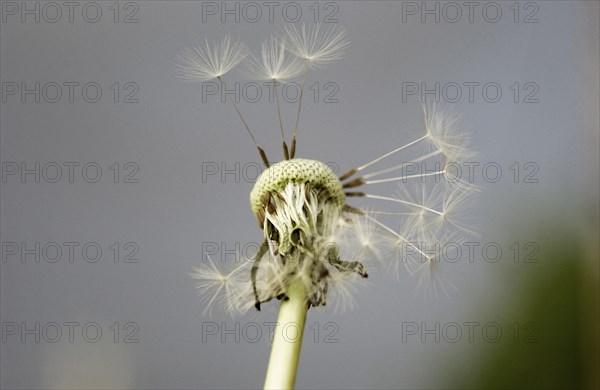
(171, 211)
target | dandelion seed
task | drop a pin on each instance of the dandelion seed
(274, 63)
(443, 134)
(369, 243)
(198, 64)
(316, 45)
(276, 66)
(215, 287)
(203, 64)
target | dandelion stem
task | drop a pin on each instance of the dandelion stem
(287, 340)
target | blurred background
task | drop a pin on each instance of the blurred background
(118, 178)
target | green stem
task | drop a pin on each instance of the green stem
(287, 340)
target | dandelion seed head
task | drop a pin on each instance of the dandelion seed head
(278, 176)
(310, 231)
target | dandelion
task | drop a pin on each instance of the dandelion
(317, 247)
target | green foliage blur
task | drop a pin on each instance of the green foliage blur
(560, 298)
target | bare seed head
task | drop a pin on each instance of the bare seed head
(310, 232)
